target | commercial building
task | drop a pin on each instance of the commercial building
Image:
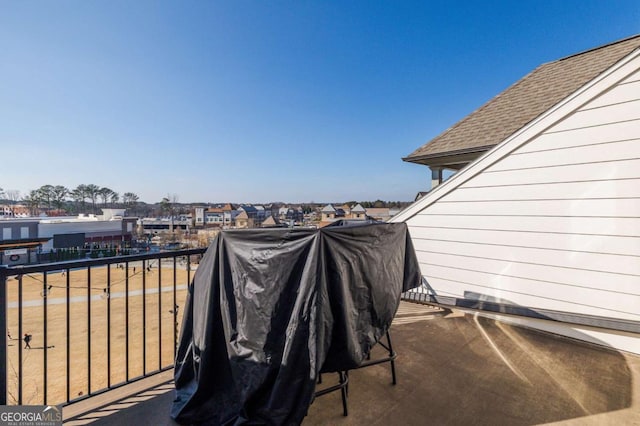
(23, 239)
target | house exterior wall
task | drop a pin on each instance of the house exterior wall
(243, 223)
(199, 216)
(328, 217)
(214, 218)
(554, 224)
(230, 217)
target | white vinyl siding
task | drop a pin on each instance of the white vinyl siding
(632, 77)
(598, 262)
(623, 169)
(598, 116)
(555, 224)
(567, 207)
(558, 225)
(627, 91)
(519, 293)
(613, 132)
(552, 191)
(625, 284)
(606, 244)
(586, 154)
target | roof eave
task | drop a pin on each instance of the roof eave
(453, 159)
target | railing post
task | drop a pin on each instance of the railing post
(3, 335)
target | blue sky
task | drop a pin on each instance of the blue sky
(258, 101)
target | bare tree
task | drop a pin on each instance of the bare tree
(46, 195)
(114, 197)
(33, 201)
(168, 205)
(130, 200)
(79, 196)
(59, 194)
(105, 193)
(92, 192)
(13, 195)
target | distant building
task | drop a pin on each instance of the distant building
(5, 211)
(290, 214)
(19, 241)
(329, 213)
(346, 209)
(261, 213)
(13, 210)
(154, 225)
(270, 222)
(358, 212)
(243, 220)
(217, 217)
(214, 217)
(230, 213)
(271, 209)
(255, 215)
(22, 239)
(198, 216)
(378, 213)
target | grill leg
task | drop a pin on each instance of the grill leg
(343, 390)
(393, 362)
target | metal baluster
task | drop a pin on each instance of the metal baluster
(89, 330)
(175, 312)
(108, 291)
(45, 294)
(144, 320)
(126, 320)
(159, 314)
(3, 338)
(20, 330)
(68, 325)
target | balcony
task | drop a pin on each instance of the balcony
(104, 334)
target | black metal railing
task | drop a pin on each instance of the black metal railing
(87, 326)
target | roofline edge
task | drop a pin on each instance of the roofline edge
(412, 159)
(558, 112)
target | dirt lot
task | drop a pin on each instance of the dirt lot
(150, 320)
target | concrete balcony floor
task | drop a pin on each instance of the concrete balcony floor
(453, 369)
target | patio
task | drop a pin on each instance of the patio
(453, 368)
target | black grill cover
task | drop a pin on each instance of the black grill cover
(270, 309)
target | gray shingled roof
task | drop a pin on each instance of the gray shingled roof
(519, 104)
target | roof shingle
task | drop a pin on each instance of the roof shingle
(525, 100)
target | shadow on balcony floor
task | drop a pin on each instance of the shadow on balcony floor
(455, 369)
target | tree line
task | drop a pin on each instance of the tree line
(82, 199)
(89, 198)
